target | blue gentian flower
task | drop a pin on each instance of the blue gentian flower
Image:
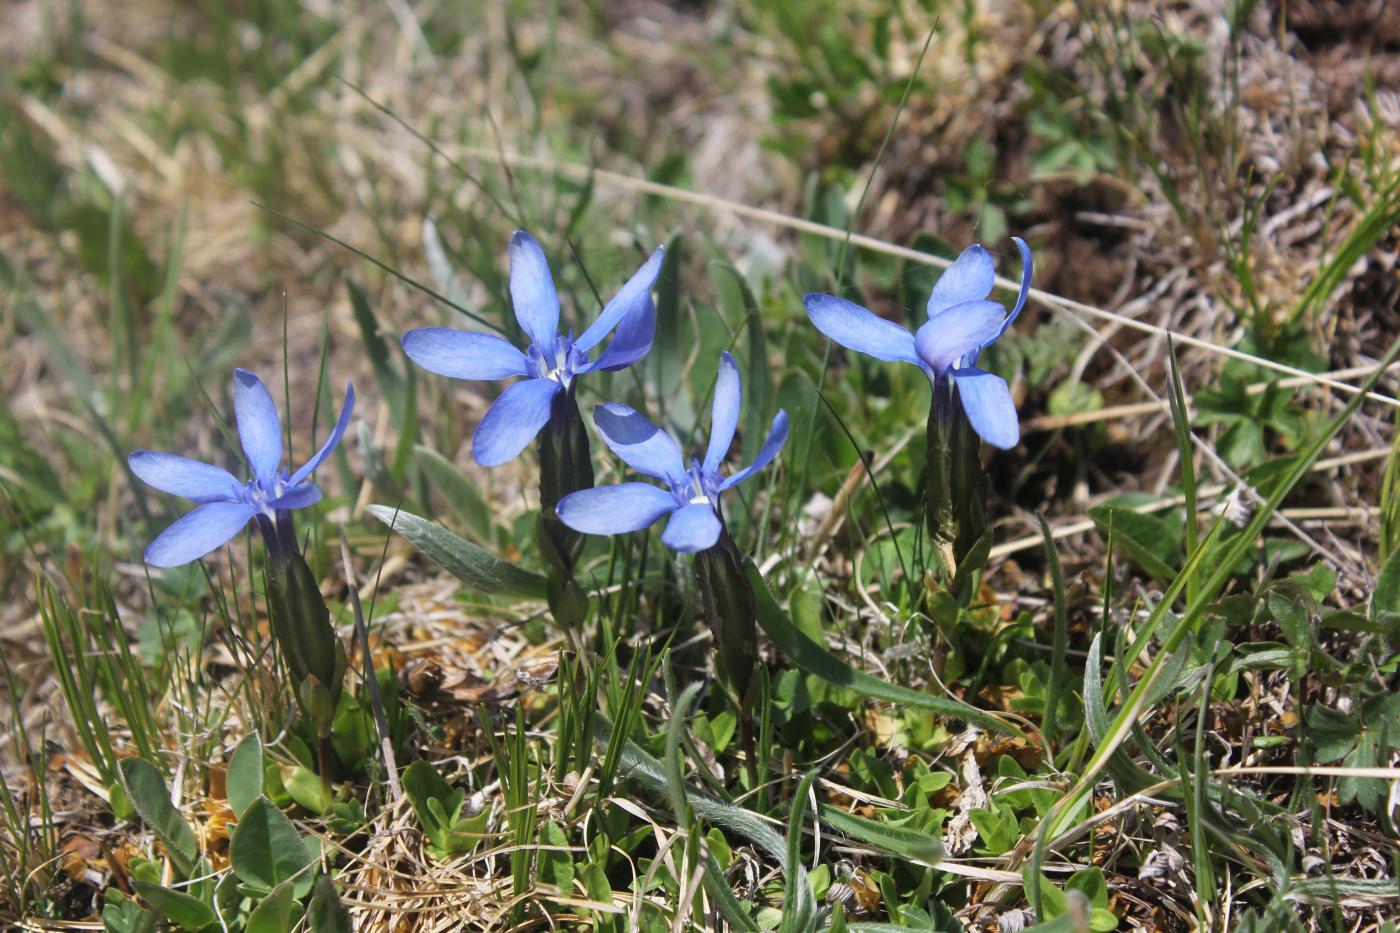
(961, 323)
(225, 504)
(551, 361)
(691, 496)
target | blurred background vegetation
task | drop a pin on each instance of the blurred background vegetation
(278, 185)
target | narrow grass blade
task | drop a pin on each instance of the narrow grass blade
(391, 384)
(799, 903)
(675, 758)
(1181, 421)
(1050, 723)
(407, 280)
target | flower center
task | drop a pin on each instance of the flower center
(699, 487)
(261, 495)
(559, 362)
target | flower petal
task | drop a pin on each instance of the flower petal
(630, 343)
(628, 299)
(513, 420)
(859, 329)
(724, 413)
(205, 529)
(693, 528)
(1027, 269)
(987, 400)
(259, 429)
(532, 291)
(960, 330)
(969, 278)
(615, 510)
(337, 433)
(298, 497)
(639, 443)
(460, 354)
(777, 436)
(183, 477)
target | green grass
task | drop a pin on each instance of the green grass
(1037, 740)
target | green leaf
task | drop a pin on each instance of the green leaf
(328, 912)
(186, 912)
(996, 829)
(719, 848)
(461, 493)
(1386, 597)
(464, 560)
(924, 848)
(146, 789)
(734, 912)
(304, 786)
(245, 773)
(439, 809)
(1095, 709)
(425, 787)
(815, 659)
(599, 888)
(1295, 611)
(554, 862)
(1090, 882)
(121, 914)
(1149, 540)
(1333, 733)
(1369, 792)
(718, 730)
(276, 913)
(266, 850)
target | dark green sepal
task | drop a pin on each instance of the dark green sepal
(731, 612)
(302, 627)
(955, 482)
(566, 465)
(568, 603)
